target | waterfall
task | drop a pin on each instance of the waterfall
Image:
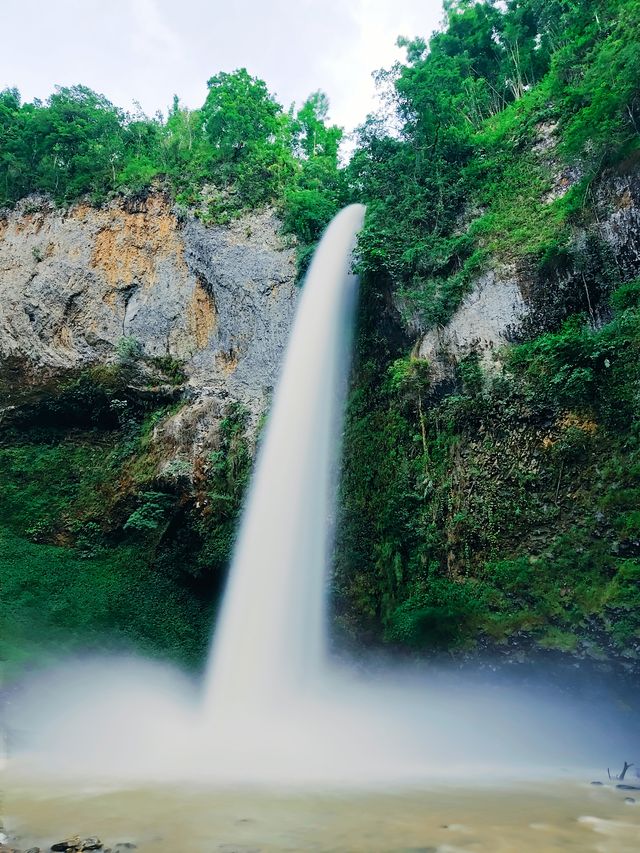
(270, 635)
(274, 710)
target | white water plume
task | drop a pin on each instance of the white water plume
(269, 637)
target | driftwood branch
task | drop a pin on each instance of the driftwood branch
(623, 774)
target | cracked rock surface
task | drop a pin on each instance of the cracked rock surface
(74, 282)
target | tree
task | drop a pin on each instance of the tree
(250, 137)
(311, 135)
(12, 153)
(239, 114)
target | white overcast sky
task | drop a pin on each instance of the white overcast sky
(147, 50)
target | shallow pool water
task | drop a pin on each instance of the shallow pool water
(510, 818)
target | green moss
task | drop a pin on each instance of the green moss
(561, 640)
(70, 575)
(50, 485)
(98, 551)
(55, 601)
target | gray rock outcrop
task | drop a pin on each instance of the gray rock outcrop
(481, 324)
(75, 282)
(514, 301)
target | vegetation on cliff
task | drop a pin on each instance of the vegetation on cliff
(503, 104)
(97, 547)
(506, 510)
(240, 150)
(498, 511)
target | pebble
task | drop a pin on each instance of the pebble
(629, 800)
(597, 783)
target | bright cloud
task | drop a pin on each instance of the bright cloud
(146, 50)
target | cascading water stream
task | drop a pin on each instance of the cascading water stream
(269, 637)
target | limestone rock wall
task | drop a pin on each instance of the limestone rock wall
(481, 324)
(74, 282)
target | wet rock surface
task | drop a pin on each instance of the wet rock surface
(72, 844)
(77, 844)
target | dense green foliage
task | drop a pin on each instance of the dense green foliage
(507, 508)
(101, 544)
(497, 511)
(460, 171)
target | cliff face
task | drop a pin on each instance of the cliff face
(138, 350)
(77, 285)
(490, 492)
(511, 301)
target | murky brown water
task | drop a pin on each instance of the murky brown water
(508, 819)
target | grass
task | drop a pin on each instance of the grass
(71, 575)
(55, 601)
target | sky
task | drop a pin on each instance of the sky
(146, 51)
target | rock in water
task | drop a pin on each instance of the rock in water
(77, 843)
(68, 844)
